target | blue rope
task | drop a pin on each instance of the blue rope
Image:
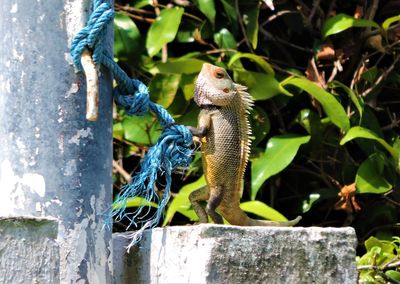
(173, 147)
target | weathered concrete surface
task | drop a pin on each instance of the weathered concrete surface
(53, 162)
(29, 252)
(231, 254)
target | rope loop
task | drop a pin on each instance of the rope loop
(92, 35)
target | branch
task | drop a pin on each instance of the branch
(381, 77)
(121, 171)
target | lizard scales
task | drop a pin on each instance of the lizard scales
(224, 129)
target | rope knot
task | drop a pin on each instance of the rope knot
(92, 35)
(138, 100)
(177, 140)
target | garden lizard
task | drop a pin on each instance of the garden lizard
(224, 131)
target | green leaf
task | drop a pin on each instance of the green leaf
(279, 153)
(207, 7)
(261, 86)
(371, 74)
(357, 100)
(179, 66)
(127, 38)
(142, 3)
(163, 88)
(135, 202)
(263, 210)
(386, 24)
(142, 130)
(331, 106)
(386, 246)
(370, 178)
(180, 203)
(393, 274)
(224, 39)
(341, 22)
(118, 131)
(163, 30)
(307, 204)
(250, 19)
(230, 12)
(360, 132)
(257, 59)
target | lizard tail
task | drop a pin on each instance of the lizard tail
(236, 216)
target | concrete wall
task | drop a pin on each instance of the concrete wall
(231, 254)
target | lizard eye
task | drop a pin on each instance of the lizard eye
(226, 90)
(219, 74)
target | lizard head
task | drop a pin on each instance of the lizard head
(214, 86)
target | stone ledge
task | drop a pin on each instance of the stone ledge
(231, 254)
(29, 252)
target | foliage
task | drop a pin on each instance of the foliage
(325, 79)
(381, 262)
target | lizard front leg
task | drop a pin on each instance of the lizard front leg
(204, 125)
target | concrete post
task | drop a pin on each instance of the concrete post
(53, 163)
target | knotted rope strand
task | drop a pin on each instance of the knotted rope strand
(173, 147)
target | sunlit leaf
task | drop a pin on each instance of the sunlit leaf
(331, 106)
(135, 202)
(279, 153)
(263, 210)
(341, 22)
(370, 178)
(207, 7)
(360, 132)
(179, 66)
(386, 246)
(257, 59)
(163, 88)
(187, 85)
(180, 203)
(386, 24)
(142, 3)
(307, 204)
(393, 274)
(118, 131)
(163, 30)
(142, 130)
(261, 86)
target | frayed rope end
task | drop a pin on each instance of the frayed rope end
(172, 150)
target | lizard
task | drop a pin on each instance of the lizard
(224, 131)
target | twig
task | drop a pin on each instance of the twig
(381, 77)
(312, 13)
(121, 171)
(372, 10)
(278, 14)
(92, 86)
(375, 267)
(271, 37)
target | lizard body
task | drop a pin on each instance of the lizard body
(224, 129)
